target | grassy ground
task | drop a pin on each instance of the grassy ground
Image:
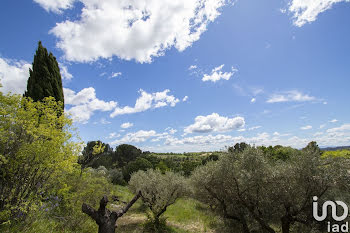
(184, 216)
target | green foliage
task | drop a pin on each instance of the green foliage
(238, 147)
(188, 166)
(116, 176)
(162, 167)
(96, 154)
(45, 78)
(337, 153)
(61, 212)
(158, 190)
(259, 193)
(126, 153)
(156, 226)
(134, 166)
(278, 152)
(35, 149)
(211, 157)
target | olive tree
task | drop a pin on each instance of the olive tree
(260, 193)
(158, 191)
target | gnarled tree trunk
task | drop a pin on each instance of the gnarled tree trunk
(106, 219)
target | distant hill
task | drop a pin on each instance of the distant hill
(335, 148)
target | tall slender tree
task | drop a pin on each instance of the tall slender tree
(45, 78)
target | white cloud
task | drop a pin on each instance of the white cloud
(322, 126)
(345, 127)
(199, 140)
(318, 134)
(253, 100)
(306, 11)
(113, 135)
(114, 75)
(333, 121)
(171, 130)
(214, 123)
(64, 72)
(137, 137)
(137, 30)
(290, 96)
(307, 127)
(85, 104)
(14, 75)
(217, 74)
(126, 125)
(254, 127)
(148, 101)
(103, 74)
(55, 5)
(337, 137)
(281, 135)
(185, 99)
(192, 67)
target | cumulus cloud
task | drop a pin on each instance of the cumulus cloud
(307, 127)
(55, 5)
(253, 100)
(185, 99)
(333, 121)
(290, 96)
(137, 137)
(138, 30)
(14, 75)
(64, 72)
(85, 103)
(126, 125)
(306, 11)
(217, 74)
(148, 101)
(214, 123)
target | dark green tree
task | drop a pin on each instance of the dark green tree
(44, 77)
(136, 165)
(95, 154)
(126, 153)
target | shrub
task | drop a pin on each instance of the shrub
(35, 149)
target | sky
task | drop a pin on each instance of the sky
(190, 75)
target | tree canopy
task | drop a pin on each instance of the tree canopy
(44, 77)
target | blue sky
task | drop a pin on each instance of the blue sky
(190, 75)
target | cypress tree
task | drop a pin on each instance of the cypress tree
(44, 77)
